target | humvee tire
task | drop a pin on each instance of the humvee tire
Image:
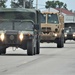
(64, 40)
(37, 47)
(30, 48)
(60, 43)
(2, 51)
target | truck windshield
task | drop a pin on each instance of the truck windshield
(17, 15)
(52, 18)
(43, 18)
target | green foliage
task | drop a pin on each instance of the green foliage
(65, 6)
(19, 3)
(14, 4)
(50, 4)
(55, 4)
(2, 3)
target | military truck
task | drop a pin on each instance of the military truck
(52, 28)
(69, 33)
(20, 27)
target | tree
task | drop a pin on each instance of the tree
(55, 4)
(19, 3)
(2, 3)
(14, 4)
(59, 4)
(65, 6)
(48, 4)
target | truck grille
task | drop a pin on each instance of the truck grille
(70, 36)
(46, 29)
(11, 39)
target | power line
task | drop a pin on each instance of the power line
(39, 4)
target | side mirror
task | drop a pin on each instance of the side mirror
(36, 27)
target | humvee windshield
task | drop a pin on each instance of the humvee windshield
(43, 18)
(17, 15)
(68, 30)
(23, 26)
(13, 20)
(16, 25)
(52, 18)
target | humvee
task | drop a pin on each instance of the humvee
(20, 27)
(52, 28)
(69, 33)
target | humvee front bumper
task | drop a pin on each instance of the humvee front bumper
(69, 36)
(14, 39)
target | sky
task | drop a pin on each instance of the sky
(41, 4)
(70, 3)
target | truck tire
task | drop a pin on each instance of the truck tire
(37, 47)
(64, 40)
(60, 42)
(3, 51)
(30, 47)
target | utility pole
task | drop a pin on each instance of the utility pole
(24, 1)
(36, 4)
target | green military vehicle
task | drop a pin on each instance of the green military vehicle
(20, 27)
(52, 28)
(69, 33)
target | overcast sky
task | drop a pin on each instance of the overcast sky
(41, 3)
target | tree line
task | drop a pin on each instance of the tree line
(29, 3)
(55, 4)
(16, 3)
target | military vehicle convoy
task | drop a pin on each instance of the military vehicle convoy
(52, 28)
(20, 27)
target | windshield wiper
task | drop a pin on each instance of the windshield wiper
(17, 20)
(25, 21)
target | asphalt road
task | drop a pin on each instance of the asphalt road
(51, 61)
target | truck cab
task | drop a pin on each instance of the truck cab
(20, 27)
(52, 28)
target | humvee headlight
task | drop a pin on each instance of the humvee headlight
(21, 36)
(65, 35)
(55, 35)
(2, 37)
(73, 35)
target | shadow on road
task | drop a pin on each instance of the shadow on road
(14, 55)
(48, 47)
(69, 43)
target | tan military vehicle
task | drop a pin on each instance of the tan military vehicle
(52, 28)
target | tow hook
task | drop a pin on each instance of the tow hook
(14, 48)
